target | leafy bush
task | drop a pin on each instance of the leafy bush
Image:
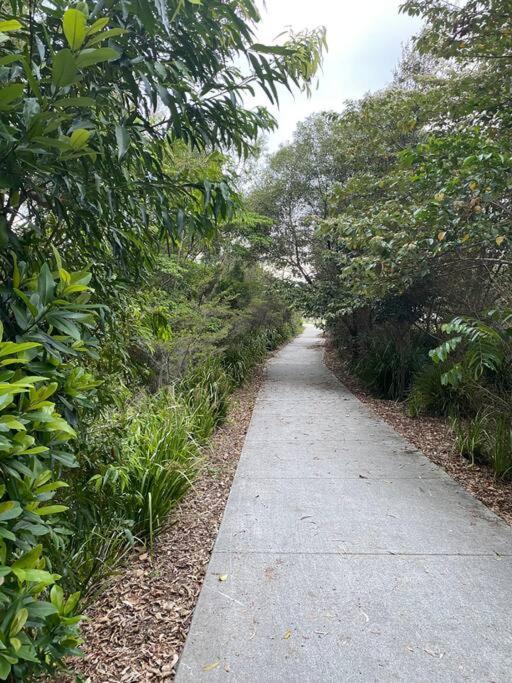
(159, 456)
(140, 447)
(487, 438)
(48, 314)
(387, 366)
(501, 445)
(484, 348)
(477, 364)
(205, 391)
(428, 395)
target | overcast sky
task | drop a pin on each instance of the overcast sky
(364, 37)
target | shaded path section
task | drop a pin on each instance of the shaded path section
(346, 555)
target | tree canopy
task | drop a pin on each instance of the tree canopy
(410, 247)
(94, 98)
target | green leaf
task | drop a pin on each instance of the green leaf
(18, 622)
(5, 533)
(67, 102)
(16, 643)
(50, 510)
(79, 138)
(112, 33)
(9, 94)
(65, 326)
(41, 609)
(123, 141)
(45, 285)
(64, 68)
(5, 668)
(57, 597)
(29, 559)
(34, 575)
(10, 509)
(98, 25)
(10, 25)
(10, 59)
(5, 400)
(71, 603)
(12, 423)
(93, 56)
(16, 277)
(8, 348)
(272, 49)
(74, 25)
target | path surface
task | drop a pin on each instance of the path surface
(349, 556)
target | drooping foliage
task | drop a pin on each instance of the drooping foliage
(93, 99)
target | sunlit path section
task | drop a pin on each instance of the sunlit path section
(344, 554)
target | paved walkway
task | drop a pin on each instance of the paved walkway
(344, 554)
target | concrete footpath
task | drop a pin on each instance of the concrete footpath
(346, 555)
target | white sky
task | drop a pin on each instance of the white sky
(364, 37)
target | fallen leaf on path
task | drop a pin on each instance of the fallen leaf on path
(223, 577)
(287, 635)
(439, 655)
(212, 666)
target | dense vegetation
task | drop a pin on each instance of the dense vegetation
(396, 216)
(130, 301)
(132, 295)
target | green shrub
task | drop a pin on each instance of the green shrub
(500, 445)
(205, 390)
(48, 314)
(158, 452)
(387, 367)
(240, 358)
(487, 438)
(158, 458)
(250, 349)
(429, 396)
(139, 448)
(93, 554)
(472, 438)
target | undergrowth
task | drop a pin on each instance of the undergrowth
(185, 348)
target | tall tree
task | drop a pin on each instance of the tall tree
(292, 189)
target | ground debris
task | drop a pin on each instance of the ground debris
(136, 631)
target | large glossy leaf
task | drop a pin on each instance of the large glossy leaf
(9, 25)
(64, 69)
(74, 25)
(123, 140)
(92, 56)
(45, 285)
(79, 138)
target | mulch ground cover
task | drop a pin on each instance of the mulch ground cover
(137, 629)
